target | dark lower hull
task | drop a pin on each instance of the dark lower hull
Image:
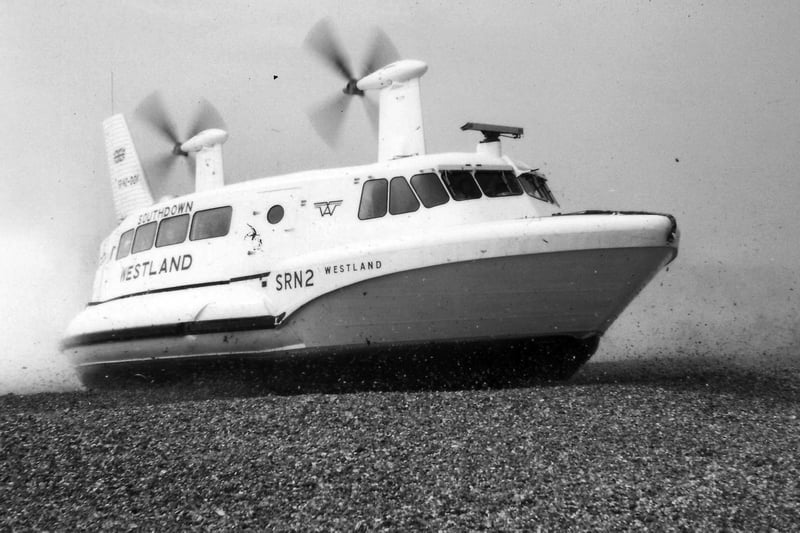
(442, 365)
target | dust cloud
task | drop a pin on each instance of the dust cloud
(743, 315)
(40, 291)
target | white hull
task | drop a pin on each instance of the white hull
(472, 288)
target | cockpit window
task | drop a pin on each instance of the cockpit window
(125, 244)
(495, 183)
(429, 189)
(211, 223)
(461, 184)
(144, 237)
(536, 185)
(401, 197)
(172, 230)
(373, 199)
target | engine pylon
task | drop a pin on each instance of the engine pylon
(400, 128)
(209, 172)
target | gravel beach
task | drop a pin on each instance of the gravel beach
(672, 444)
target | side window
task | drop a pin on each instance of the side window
(373, 199)
(211, 223)
(125, 244)
(429, 189)
(401, 197)
(144, 237)
(536, 186)
(461, 185)
(172, 230)
(495, 183)
(547, 191)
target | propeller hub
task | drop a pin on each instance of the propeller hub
(352, 88)
(176, 150)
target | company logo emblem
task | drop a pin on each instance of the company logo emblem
(119, 155)
(327, 208)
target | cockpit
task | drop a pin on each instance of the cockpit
(431, 189)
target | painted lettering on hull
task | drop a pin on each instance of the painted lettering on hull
(168, 211)
(127, 181)
(297, 279)
(154, 268)
(352, 267)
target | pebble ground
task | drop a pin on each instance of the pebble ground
(671, 444)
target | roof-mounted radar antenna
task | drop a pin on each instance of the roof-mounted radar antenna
(490, 144)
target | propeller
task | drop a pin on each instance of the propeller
(153, 112)
(327, 118)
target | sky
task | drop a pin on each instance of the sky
(690, 108)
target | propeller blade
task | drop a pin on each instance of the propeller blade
(372, 111)
(153, 112)
(159, 166)
(327, 119)
(206, 117)
(322, 40)
(381, 53)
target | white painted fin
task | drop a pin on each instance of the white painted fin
(207, 144)
(400, 129)
(129, 186)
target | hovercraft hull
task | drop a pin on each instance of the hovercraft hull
(574, 293)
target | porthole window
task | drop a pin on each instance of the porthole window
(275, 214)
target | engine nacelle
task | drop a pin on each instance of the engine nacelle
(397, 72)
(205, 139)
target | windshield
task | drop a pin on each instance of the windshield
(536, 185)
